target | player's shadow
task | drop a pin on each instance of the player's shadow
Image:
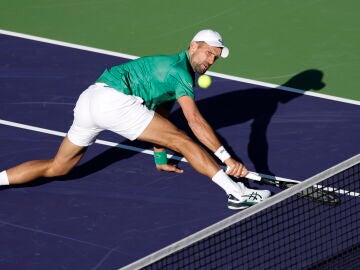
(254, 104)
(257, 105)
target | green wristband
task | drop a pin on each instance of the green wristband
(160, 158)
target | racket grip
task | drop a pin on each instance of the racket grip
(253, 176)
(250, 175)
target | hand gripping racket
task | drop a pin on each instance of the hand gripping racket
(313, 193)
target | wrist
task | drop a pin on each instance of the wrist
(160, 157)
(222, 154)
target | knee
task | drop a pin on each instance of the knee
(56, 169)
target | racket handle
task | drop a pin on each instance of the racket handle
(250, 175)
(253, 176)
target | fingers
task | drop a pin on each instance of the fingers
(176, 169)
(244, 171)
(237, 170)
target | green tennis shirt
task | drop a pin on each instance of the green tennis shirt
(156, 79)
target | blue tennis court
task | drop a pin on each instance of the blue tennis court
(115, 207)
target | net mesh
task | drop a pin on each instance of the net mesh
(294, 233)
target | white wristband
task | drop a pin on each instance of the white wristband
(222, 154)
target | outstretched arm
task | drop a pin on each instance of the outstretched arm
(206, 135)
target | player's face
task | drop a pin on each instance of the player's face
(203, 56)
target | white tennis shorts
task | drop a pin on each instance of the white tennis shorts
(101, 107)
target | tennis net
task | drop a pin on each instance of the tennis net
(285, 232)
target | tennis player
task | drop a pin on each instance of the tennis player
(131, 100)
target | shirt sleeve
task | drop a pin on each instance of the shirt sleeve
(183, 87)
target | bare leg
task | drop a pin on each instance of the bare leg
(66, 158)
(162, 132)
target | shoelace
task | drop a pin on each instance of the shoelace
(253, 196)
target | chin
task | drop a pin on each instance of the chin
(201, 71)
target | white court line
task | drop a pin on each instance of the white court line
(67, 44)
(102, 142)
(150, 152)
(215, 74)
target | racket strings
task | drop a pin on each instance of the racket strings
(320, 195)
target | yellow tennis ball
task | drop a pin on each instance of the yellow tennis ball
(204, 81)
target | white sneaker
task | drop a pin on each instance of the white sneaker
(248, 198)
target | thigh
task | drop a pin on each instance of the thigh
(162, 132)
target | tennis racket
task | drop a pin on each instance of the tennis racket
(313, 193)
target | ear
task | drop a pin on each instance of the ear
(193, 46)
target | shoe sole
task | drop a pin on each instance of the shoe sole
(240, 206)
(237, 206)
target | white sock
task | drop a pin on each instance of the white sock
(225, 182)
(4, 180)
